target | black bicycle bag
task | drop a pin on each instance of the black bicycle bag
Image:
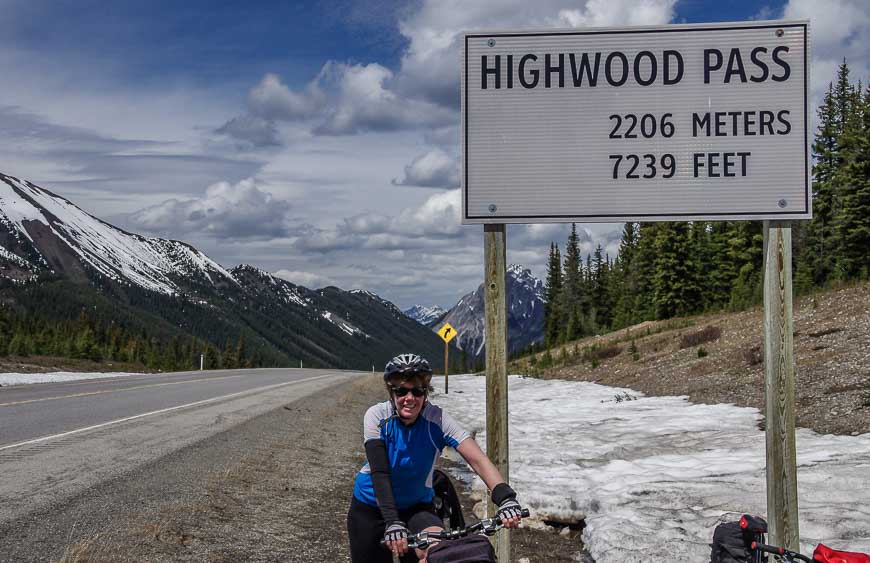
(732, 541)
(446, 501)
(470, 549)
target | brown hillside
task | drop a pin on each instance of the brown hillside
(717, 358)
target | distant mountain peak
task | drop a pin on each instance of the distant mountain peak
(424, 315)
(525, 309)
(518, 269)
(51, 233)
(374, 296)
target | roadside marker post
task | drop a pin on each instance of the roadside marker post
(447, 333)
(495, 260)
(779, 387)
(687, 122)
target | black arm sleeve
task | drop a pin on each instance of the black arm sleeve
(379, 463)
(501, 493)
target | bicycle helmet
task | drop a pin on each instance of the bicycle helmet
(407, 365)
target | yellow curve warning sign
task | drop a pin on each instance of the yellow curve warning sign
(446, 332)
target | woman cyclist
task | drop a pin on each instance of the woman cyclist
(403, 437)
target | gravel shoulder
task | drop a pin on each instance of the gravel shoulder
(275, 488)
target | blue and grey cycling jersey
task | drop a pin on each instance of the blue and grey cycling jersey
(412, 452)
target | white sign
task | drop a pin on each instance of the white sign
(678, 122)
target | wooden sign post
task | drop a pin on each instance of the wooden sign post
(446, 370)
(494, 257)
(779, 369)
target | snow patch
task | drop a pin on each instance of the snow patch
(657, 474)
(8, 379)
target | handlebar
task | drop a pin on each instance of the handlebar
(488, 526)
(781, 551)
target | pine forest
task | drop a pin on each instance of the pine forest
(671, 269)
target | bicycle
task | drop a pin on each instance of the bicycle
(822, 554)
(745, 541)
(783, 554)
(424, 540)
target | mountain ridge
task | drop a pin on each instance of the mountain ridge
(51, 251)
(525, 312)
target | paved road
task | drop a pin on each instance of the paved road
(58, 439)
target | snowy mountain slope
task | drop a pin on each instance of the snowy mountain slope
(425, 315)
(525, 310)
(57, 261)
(50, 233)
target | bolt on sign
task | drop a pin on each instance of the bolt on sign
(447, 332)
(663, 123)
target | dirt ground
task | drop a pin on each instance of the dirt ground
(285, 499)
(832, 357)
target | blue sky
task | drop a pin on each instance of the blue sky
(317, 140)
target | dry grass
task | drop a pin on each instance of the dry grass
(90, 550)
(706, 334)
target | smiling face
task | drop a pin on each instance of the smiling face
(409, 397)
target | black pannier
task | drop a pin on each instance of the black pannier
(446, 501)
(470, 549)
(732, 541)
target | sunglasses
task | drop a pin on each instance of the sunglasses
(402, 391)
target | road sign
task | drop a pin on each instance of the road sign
(447, 332)
(677, 122)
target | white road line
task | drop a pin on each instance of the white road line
(120, 420)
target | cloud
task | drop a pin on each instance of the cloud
(430, 65)
(347, 99)
(226, 211)
(433, 169)
(107, 175)
(272, 100)
(251, 132)
(599, 13)
(310, 280)
(440, 215)
(365, 224)
(444, 137)
(838, 29)
(365, 102)
(343, 99)
(325, 240)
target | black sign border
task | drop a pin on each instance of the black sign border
(617, 218)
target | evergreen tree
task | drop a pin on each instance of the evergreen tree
(553, 297)
(746, 252)
(676, 291)
(723, 270)
(598, 291)
(815, 251)
(5, 335)
(703, 263)
(18, 345)
(645, 266)
(241, 353)
(625, 278)
(852, 220)
(572, 288)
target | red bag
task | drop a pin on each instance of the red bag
(824, 554)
